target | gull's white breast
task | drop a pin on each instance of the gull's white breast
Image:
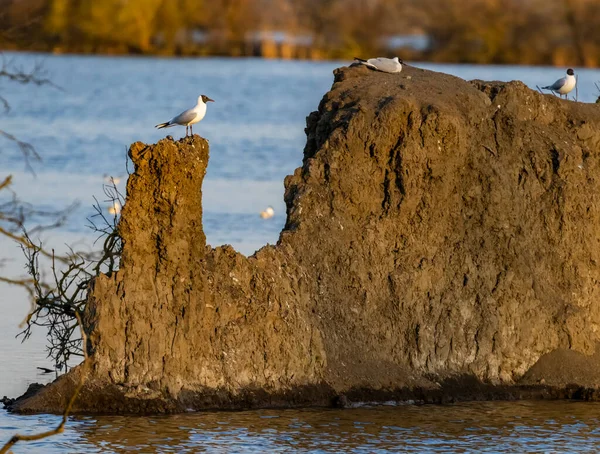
(568, 86)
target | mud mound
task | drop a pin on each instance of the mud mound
(441, 239)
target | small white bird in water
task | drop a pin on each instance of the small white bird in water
(565, 85)
(268, 213)
(115, 208)
(190, 116)
(108, 179)
(386, 65)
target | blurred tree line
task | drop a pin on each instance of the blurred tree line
(562, 32)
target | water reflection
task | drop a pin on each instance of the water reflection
(481, 427)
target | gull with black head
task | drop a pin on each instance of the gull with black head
(188, 117)
(564, 85)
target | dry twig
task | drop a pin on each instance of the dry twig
(60, 306)
(36, 76)
(26, 149)
(57, 298)
(14, 73)
(17, 216)
(56, 304)
(61, 427)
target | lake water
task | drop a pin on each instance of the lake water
(256, 134)
(512, 427)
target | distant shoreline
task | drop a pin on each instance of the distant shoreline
(258, 57)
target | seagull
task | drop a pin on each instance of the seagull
(190, 116)
(386, 65)
(564, 85)
(268, 213)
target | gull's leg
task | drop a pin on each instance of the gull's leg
(191, 131)
(186, 130)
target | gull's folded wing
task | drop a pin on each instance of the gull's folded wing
(184, 117)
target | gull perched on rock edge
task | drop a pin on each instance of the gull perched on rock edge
(188, 117)
(386, 65)
(565, 85)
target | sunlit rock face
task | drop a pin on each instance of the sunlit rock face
(442, 242)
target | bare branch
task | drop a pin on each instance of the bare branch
(57, 303)
(14, 73)
(57, 306)
(16, 217)
(6, 183)
(5, 103)
(26, 149)
(83, 373)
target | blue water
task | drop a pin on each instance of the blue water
(508, 427)
(256, 131)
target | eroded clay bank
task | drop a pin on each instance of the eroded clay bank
(441, 243)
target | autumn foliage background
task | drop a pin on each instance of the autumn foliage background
(560, 32)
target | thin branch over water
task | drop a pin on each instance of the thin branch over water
(83, 373)
(57, 303)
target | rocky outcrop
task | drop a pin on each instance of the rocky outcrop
(441, 243)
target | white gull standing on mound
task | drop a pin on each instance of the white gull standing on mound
(565, 85)
(188, 117)
(386, 65)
